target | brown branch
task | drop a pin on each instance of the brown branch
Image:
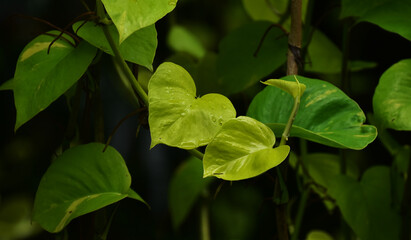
(294, 38)
(294, 61)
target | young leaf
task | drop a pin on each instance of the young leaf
(7, 85)
(392, 97)
(40, 78)
(372, 201)
(132, 15)
(293, 88)
(242, 149)
(176, 116)
(83, 179)
(241, 63)
(326, 115)
(139, 47)
(391, 15)
(185, 188)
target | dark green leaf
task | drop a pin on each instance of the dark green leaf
(392, 97)
(181, 39)
(139, 47)
(325, 57)
(186, 186)
(391, 15)
(131, 15)
(179, 118)
(83, 179)
(267, 10)
(242, 149)
(326, 115)
(40, 78)
(366, 205)
(240, 65)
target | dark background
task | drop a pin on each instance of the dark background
(242, 208)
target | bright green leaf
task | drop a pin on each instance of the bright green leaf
(326, 115)
(81, 180)
(392, 97)
(372, 200)
(240, 65)
(176, 116)
(186, 186)
(7, 85)
(181, 39)
(40, 78)
(318, 235)
(391, 15)
(242, 149)
(325, 57)
(139, 47)
(132, 15)
(293, 88)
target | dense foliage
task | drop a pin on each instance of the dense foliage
(252, 119)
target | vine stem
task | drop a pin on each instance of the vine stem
(294, 60)
(287, 129)
(205, 226)
(117, 55)
(119, 60)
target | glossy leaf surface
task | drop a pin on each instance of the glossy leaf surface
(392, 97)
(242, 149)
(139, 47)
(186, 186)
(391, 15)
(40, 78)
(240, 65)
(81, 180)
(372, 200)
(326, 115)
(132, 15)
(179, 118)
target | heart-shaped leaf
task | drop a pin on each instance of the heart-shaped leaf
(372, 200)
(83, 179)
(242, 149)
(139, 47)
(392, 97)
(326, 115)
(391, 15)
(186, 186)
(132, 15)
(40, 78)
(176, 116)
(242, 61)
